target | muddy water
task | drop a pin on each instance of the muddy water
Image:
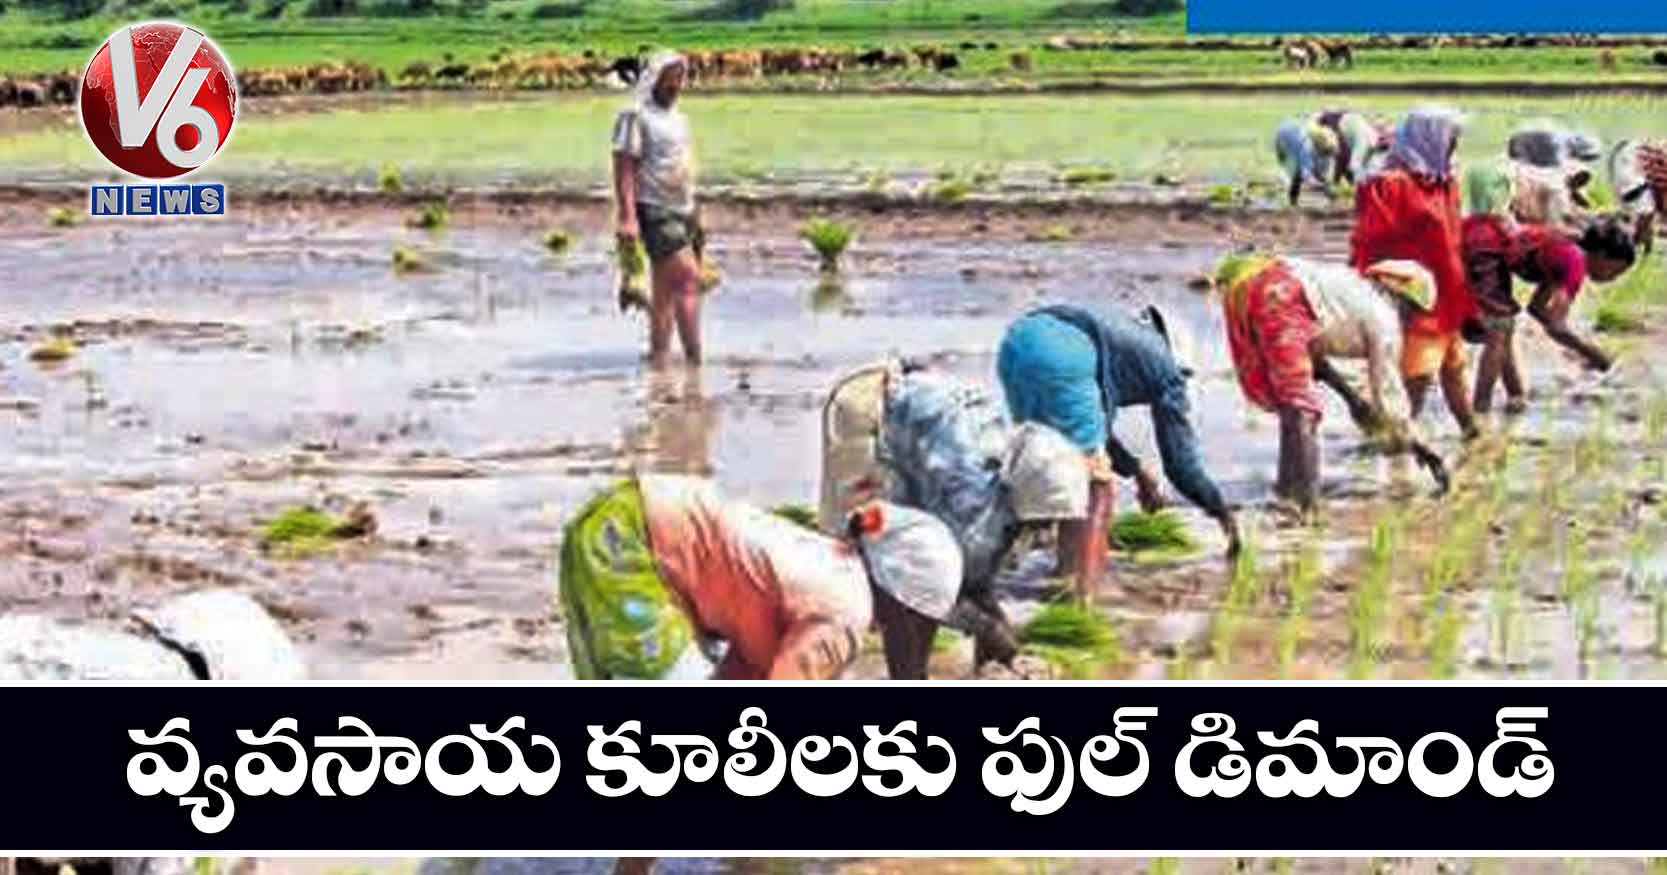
(226, 370)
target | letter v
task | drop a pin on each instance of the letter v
(134, 120)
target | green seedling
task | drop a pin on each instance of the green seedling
(1225, 195)
(949, 191)
(389, 180)
(54, 349)
(829, 239)
(63, 217)
(801, 514)
(632, 263)
(1053, 234)
(408, 260)
(1139, 531)
(558, 241)
(1369, 605)
(1077, 639)
(1164, 866)
(433, 217)
(1242, 586)
(305, 530)
(946, 639)
(1302, 577)
(1080, 176)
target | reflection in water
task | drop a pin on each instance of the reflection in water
(682, 420)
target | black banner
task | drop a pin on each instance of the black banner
(1408, 768)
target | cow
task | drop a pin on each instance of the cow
(1019, 61)
(1606, 60)
(8, 92)
(944, 61)
(30, 94)
(1660, 57)
(1296, 56)
(1340, 54)
(61, 88)
(626, 68)
(451, 72)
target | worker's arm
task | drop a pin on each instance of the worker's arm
(625, 195)
(1182, 464)
(627, 150)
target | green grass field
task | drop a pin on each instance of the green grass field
(1202, 140)
(41, 36)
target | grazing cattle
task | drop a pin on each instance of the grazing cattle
(451, 72)
(969, 47)
(990, 47)
(61, 87)
(30, 94)
(416, 73)
(945, 61)
(871, 58)
(926, 54)
(1296, 56)
(1660, 57)
(8, 92)
(1606, 59)
(1340, 54)
(627, 69)
(1019, 61)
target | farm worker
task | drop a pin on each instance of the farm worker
(1359, 143)
(211, 635)
(1306, 150)
(926, 440)
(1551, 171)
(1410, 211)
(1638, 176)
(658, 568)
(1498, 249)
(1073, 370)
(654, 190)
(1286, 319)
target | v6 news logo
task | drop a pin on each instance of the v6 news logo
(158, 100)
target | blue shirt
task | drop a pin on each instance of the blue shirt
(1137, 368)
(944, 442)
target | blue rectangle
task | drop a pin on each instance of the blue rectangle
(208, 199)
(1427, 16)
(175, 200)
(141, 200)
(106, 200)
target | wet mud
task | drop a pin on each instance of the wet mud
(219, 372)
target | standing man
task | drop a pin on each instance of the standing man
(654, 191)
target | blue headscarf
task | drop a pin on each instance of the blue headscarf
(1424, 142)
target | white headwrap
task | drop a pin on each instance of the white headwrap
(658, 63)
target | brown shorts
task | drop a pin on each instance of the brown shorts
(667, 232)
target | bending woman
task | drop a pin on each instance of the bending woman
(1410, 211)
(1072, 370)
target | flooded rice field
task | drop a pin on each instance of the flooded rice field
(223, 371)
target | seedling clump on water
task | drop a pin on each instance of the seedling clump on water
(1076, 638)
(433, 217)
(408, 260)
(558, 241)
(302, 530)
(63, 217)
(949, 191)
(388, 180)
(56, 349)
(1078, 176)
(1164, 530)
(829, 239)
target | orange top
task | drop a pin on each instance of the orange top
(747, 575)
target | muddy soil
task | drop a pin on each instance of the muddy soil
(226, 370)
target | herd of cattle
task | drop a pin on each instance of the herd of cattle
(508, 71)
